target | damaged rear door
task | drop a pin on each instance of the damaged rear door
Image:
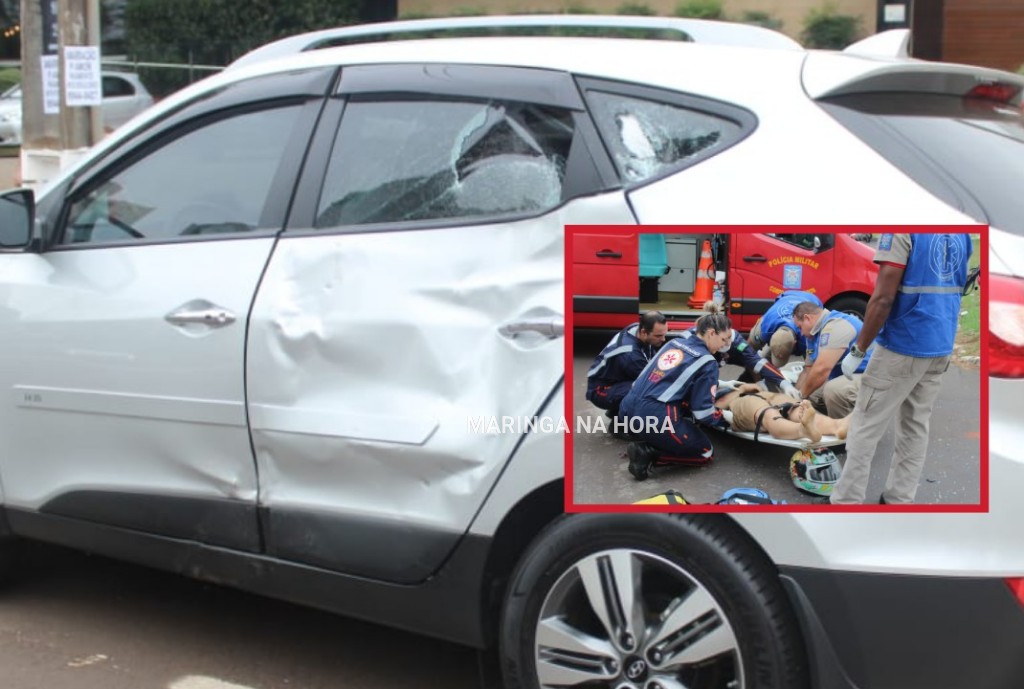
(416, 296)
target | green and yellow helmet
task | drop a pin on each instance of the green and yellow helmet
(815, 471)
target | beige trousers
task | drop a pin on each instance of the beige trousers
(893, 386)
(837, 397)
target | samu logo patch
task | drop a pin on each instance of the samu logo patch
(670, 359)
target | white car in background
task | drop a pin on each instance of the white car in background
(124, 97)
(256, 359)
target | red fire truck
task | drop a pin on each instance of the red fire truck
(621, 271)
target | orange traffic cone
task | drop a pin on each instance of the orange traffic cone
(703, 290)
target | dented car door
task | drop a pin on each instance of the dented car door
(415, 300)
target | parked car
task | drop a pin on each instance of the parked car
(124, 97)
(258, 359)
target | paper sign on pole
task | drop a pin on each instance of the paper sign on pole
(82, 84)
(51, 84)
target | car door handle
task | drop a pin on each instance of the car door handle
(551, 327)
(608, 254)
(755, 259)
(201, 312)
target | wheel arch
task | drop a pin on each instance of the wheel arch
(844, 299)
(514, 534)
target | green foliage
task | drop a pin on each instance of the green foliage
(578, 8)
(764, 19)
(700, 9)
(825, 27)
(469, 11)
(636, 9)
(9, 76)
(968, 339)
(215, 32)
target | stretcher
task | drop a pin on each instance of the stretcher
(792, 372)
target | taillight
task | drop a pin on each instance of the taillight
(1000, 92)
(1017, 587)
(1006, 326)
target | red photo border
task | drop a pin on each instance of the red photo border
(983, 506)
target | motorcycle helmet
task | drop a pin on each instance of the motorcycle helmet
(747, 496)
(815, 471)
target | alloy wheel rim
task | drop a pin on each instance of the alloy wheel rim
(627, 619)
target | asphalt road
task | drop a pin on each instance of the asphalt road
(71, 621)
(600, 474)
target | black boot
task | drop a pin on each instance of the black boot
(641, 458)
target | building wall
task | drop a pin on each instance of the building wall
(791, 12)
(984, 32)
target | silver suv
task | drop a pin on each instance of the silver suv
(259, 337)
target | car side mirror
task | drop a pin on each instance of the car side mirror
(17, 217)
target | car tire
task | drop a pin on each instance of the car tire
(710, 611)
(857, 306)
(8, 548)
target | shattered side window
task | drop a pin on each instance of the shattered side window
(648, 138)
(400, 161)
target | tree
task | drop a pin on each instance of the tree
(825, 27)
(215, 32)
(700, 9)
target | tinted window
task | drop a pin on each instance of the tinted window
(648, 138)
(420, 160)
(116, 86)
(211, 180)
(967, 152)
(811, 242)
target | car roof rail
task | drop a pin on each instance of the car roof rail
(670, 28)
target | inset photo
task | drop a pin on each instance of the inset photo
(776, 368)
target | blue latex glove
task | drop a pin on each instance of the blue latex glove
(850, 363)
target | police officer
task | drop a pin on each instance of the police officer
(740, 353)
(829, 335)
(622, 360)
(777, 329)
(675, 393)
(914, 311)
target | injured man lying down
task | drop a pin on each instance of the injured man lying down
(782, 416)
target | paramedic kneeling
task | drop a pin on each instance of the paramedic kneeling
(777, 331)
(829, 336)
(621, 361)
(740, 353)
(674, 393)
(914, 310)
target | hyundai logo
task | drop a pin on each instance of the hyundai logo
(636, 669)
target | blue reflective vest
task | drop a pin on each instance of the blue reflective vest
(683, 372)
(622, 359)
(813, 345)
(781, 313)
(926, 311)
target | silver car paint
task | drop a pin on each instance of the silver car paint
(105, 393)
(371, 355)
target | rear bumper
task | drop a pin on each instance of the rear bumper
(879, 631)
